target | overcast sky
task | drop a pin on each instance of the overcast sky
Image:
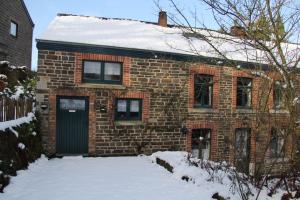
(43, 11)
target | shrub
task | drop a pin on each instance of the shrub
(17, 152)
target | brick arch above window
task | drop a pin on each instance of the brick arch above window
(101, 57)
(205, 70)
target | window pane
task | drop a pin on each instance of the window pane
(122, 105)
(72, 104)
(276, 142)
(134, 106)
(203, 90)
(121, 109)
(13, 28)
(244, 92)
(201, 143)
(241, 142)
(92, 70)
(278, 96)
(112, 71)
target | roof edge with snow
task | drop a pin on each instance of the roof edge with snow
(140, 53)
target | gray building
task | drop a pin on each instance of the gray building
(16, 28)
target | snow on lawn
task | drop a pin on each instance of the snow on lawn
(113, 178)
(201, 178)
(117, 178)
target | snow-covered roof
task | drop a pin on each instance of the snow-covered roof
(140, 35)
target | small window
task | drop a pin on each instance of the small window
(201, 143)
(102, 72)
(72, 104)
(128, 109)
(244, 92)
(13, 29)
(278, 96)
(276, 143)
(203, 90)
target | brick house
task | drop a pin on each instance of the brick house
(115, 87)
(15, 33)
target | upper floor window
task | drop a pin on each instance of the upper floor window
(203, 90)
(278, 96)
(13, 29)
(244, 92)
(276, 143)
(128, 109)
(102, 72)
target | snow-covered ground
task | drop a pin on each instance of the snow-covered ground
(114, 178)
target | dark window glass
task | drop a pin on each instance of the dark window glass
(242, 136)
(128, 109)
(13, 29)
(244, 92)
(203, 89)
(276, 143)
(102, 72)
(242, 149)
(112, 71)
(278, 96)
(201, 143)
(92, 70)
(72, 104)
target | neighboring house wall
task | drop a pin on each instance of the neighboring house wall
(18, 49)
(166, 87)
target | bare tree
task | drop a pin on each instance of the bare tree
(268, 35)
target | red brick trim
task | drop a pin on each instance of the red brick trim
(101, 57)
(145, 96)
(255, 82)
(92, 115)
(204, 69)
(214, 135)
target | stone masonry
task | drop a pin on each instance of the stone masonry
(166, 87)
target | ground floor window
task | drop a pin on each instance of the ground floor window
(242, 149)
(201, 143)
(276, 143)
(128, 109)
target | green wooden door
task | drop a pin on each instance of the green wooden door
(72, 125)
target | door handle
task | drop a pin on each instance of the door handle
(72, 111)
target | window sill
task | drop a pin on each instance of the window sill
(244, 110)
(128, 123)
(283, 111)
(101, 86)
(276, 160)
(201, 110)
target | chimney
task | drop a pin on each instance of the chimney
(238, 31)
(163, 19)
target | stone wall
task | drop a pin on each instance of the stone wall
(166, 87)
